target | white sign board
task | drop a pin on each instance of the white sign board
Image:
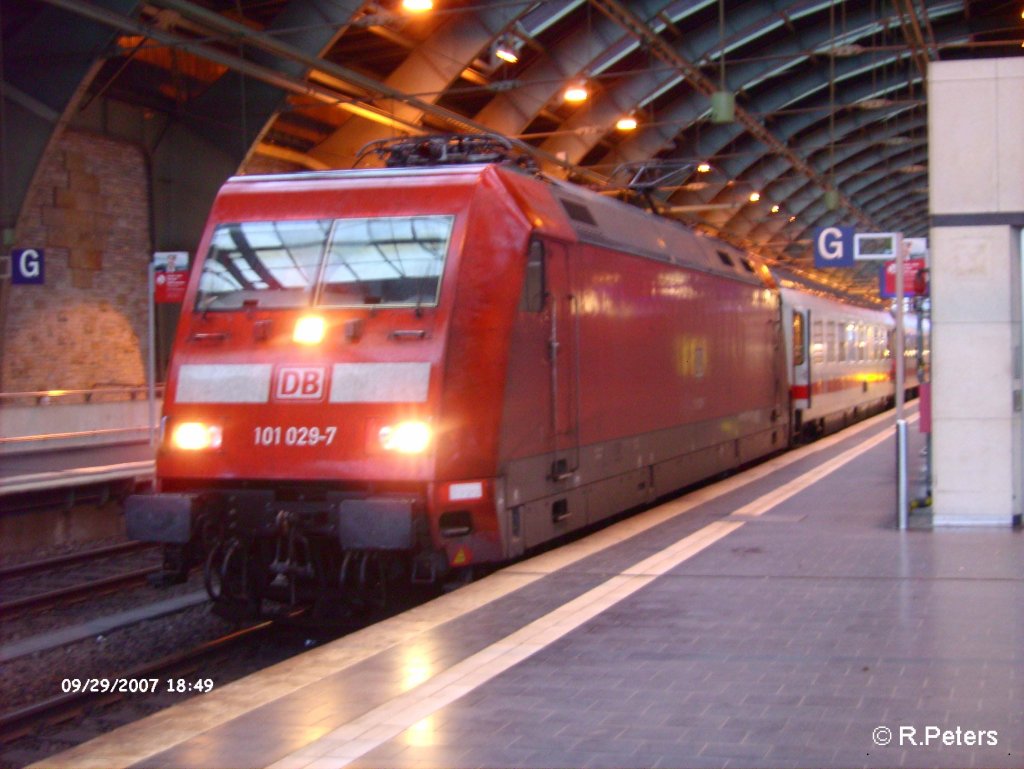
(883, 246)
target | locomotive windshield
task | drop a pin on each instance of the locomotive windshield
(387, 261)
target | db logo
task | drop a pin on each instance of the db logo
(300, 383)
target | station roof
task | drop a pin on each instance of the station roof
(828, 117)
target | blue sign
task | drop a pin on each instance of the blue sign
(27, 266)
(833, 247)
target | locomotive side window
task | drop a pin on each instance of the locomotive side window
(273, 264)
(532, 298)
(799, 349)
(386, 261)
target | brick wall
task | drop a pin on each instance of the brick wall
(89, 211)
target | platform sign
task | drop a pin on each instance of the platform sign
(876, 245)
(27, 266)
(833, 246)
(170, 276)
(887, 277)
(915, 248)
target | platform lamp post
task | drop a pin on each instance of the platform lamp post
(151, 357)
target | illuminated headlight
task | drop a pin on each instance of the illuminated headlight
(406, 437)
(309, 329)
(196, 436)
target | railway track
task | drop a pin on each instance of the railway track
(44, 583)
(71, 559)
(62, 708)
(74, 592)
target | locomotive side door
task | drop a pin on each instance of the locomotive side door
(563, 357)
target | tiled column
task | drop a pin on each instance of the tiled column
(976, 150)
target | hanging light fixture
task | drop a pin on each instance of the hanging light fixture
(576, 92)
(626, 123)
(417, 6)
(754, 197)
(723, 102)
(831, 193)
(507, 49)
(703, 168)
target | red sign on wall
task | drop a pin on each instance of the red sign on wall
(169, 287)
(887, 277)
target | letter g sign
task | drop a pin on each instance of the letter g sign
(27, 266)
(833, 247)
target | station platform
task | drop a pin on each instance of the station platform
(777, 618)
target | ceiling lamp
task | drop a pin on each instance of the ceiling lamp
(775, 208)
(754, 197)
(703, 168)
(853, 49)
(417, 6)
(627, 123)
(576, 92)
(507, 48)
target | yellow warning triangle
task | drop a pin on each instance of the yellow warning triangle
(461, 557)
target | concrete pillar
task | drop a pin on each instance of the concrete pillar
(976, 186)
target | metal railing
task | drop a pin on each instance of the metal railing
(100, 393)
(105, 393)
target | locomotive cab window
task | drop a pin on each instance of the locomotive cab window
(266, 264)
(345, 262)
(532, 298)
(386, 261)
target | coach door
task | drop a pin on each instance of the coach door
(802, 389)
(563, 356)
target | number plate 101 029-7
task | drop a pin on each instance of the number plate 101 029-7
(294, 436)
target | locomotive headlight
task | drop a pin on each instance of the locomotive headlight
(309, 329)
(196, 436)
(411, 437)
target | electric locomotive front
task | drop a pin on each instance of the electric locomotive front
(310, 393)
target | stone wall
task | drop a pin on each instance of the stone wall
(89, 211)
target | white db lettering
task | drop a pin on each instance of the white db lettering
(300, 383)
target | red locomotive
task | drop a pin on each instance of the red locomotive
(390, 373)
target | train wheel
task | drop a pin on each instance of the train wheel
(364, 579)
(224, 572)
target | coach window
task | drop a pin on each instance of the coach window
(532, 298)
(830, 341)
(817, 342)
(799, 352)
